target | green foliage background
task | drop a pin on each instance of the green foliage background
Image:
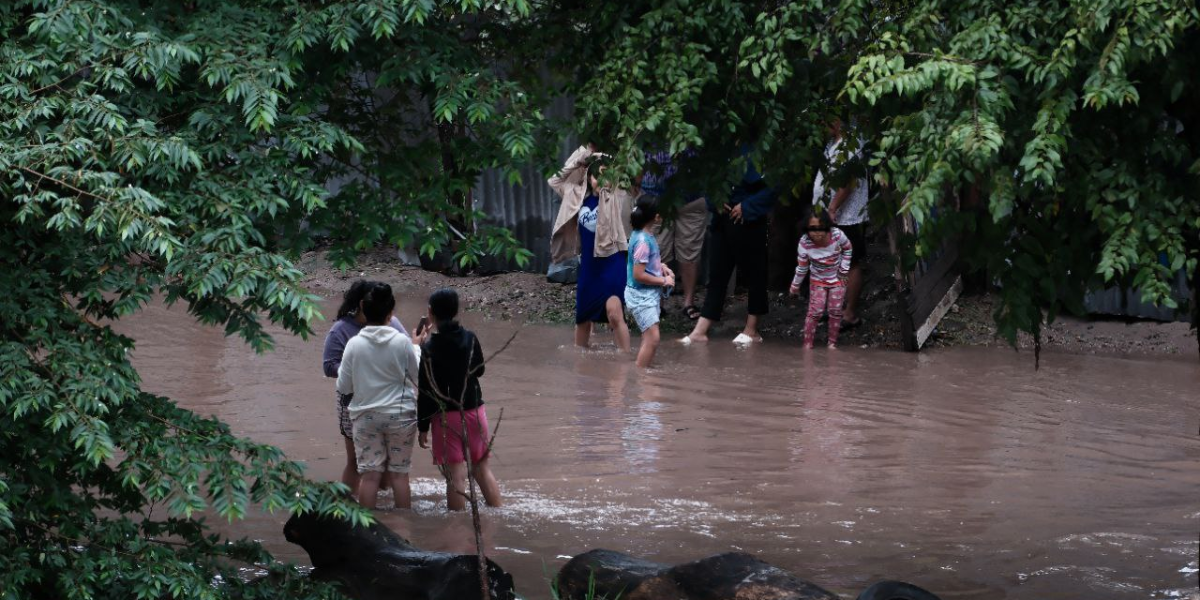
(185, 150)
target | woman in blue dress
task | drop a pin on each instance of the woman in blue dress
(600, 228)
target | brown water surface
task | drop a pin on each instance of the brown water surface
(963, 471)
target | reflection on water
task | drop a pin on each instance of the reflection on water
(963, 471)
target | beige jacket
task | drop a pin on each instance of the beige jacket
(612, 220)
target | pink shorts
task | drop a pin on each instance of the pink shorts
(447, 441)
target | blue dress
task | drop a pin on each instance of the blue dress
(599, 278)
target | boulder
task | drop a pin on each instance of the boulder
(730, 576)
(895, 590)
(373, 563)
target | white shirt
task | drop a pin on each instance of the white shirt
(379, 367)
(854, 208)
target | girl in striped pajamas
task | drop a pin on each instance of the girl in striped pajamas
(824, 256)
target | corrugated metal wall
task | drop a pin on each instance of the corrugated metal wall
(1128, 303)
(528, 209)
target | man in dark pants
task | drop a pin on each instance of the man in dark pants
(739, 240)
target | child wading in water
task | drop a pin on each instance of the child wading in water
(824, 255)
(379, 367)
(647, 279)
(451, 401)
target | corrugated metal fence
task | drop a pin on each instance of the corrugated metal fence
(527, 209)
(1122, 302)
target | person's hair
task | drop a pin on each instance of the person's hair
(821, 214)
(443, 304)
(593, 170)
(378, 302)
(644, 212)
(352, 298)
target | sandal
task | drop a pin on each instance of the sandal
(745, 340)
(692, 312)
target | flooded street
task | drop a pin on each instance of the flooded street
(963, 471)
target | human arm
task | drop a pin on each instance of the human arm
(835, 204)
(427, 403)
(345, 376)
(573, 171)
(398, 326)
(847, 251)
(641, 276)
(478, 365)
(331, 356)
(801, 268)
(756, 205)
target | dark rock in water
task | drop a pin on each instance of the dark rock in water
(731, 576)
(373, 563)
(614, 573)
(895, 590)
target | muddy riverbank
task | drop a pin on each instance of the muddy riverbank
(528, 297)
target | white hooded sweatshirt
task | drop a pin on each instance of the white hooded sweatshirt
(379, 366)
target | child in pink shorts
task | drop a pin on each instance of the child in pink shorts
(450, 403)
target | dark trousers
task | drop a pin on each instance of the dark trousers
(740, 245)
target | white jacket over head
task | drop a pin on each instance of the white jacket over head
(379, 367)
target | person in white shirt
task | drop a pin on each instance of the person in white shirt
(379, 366)
(848, 207)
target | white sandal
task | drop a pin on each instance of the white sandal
(745, 340)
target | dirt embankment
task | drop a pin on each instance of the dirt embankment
(529, 297)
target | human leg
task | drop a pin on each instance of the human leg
(857, 234)
(836, 295)
(752, 265)
(689, 272)
(456, 486)
(346, 428)
(720, 269)
(583, 334)
(401, 489)
(689, 243)
(854, 284)
(751, 328)
(487, 483)
(370, 452)
(816, 305)
(400, 433)
(751, 251)
(616, 321)
(645, 305)
(650, 338)
(350, 470)
(368, 488)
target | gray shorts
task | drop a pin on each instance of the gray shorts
(645, 304)
(683, 238)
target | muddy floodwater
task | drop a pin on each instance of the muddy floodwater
(963, 471)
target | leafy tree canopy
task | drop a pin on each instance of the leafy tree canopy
(187, 151)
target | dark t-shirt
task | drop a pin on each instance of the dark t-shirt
(446, 359)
